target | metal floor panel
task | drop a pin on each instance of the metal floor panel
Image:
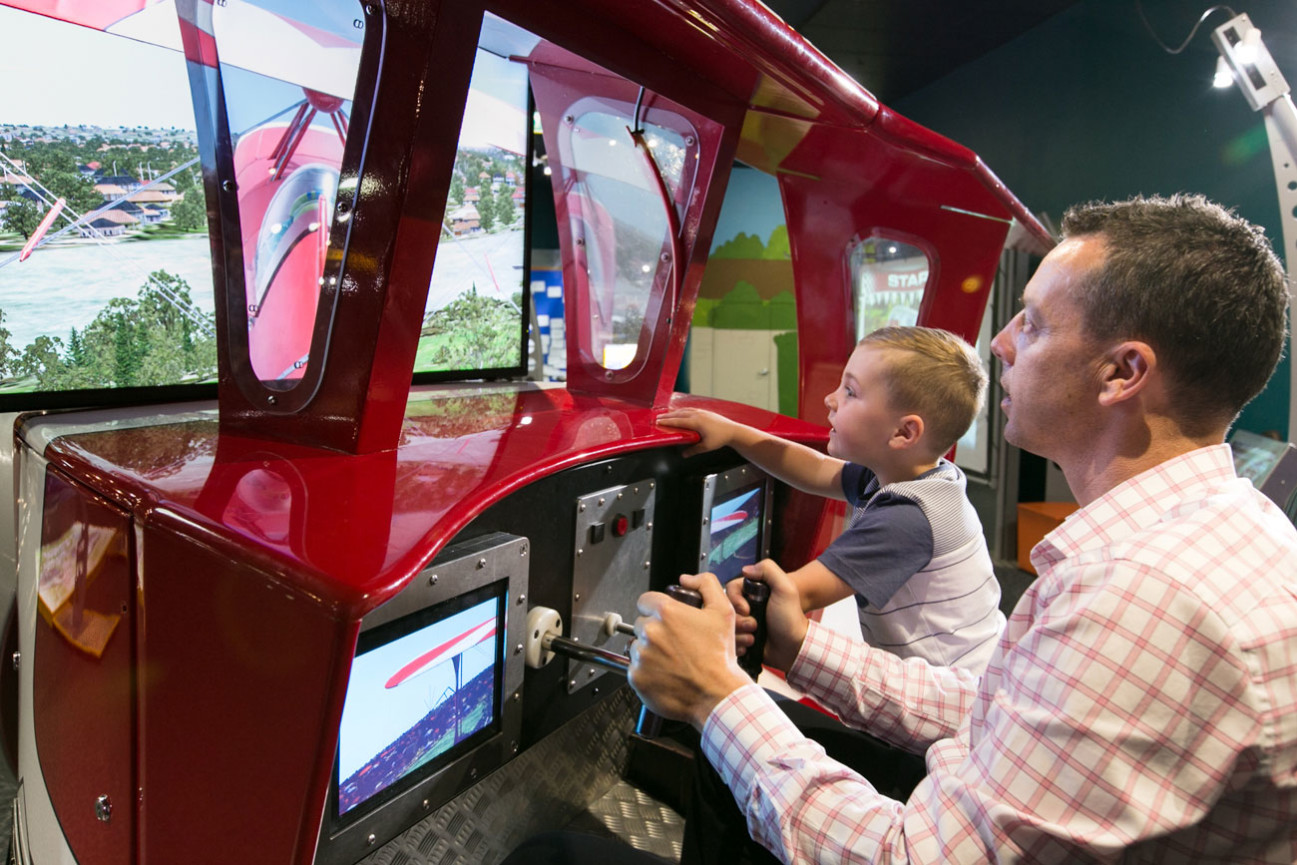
(627, 813)
(549, 785)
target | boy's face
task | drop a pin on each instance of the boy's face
(861, 419)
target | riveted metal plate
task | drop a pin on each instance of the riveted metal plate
(610, 568)
(544, 787)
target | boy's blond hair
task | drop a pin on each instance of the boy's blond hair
(934, 374)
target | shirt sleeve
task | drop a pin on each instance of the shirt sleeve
(1120, 718)
(888, 543)
(855, 480)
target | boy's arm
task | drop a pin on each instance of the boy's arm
(796, 465)
(818, 586)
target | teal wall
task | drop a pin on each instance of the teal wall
(1088, 106)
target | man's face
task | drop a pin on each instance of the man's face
(1050, 369)
(861, 419)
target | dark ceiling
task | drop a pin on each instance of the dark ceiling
(894, 47)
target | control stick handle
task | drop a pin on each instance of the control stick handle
(757, 594)
(649, 724)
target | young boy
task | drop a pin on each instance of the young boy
(913, 552)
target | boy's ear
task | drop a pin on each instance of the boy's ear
(1128, 370)
(907, 432)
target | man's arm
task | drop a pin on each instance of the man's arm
(1088, 738)
(795, 464)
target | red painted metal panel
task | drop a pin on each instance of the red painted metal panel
(240, 691)
(351, 530)
(83, 671)
(866, 184)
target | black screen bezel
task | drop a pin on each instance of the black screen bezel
(409, 624)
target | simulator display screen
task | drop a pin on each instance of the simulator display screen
(474, 317)
(735, 521)
(422, 691)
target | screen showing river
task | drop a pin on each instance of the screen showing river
(105, 262)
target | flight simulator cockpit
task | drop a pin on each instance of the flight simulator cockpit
(318, 559)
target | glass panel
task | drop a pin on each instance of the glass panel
(116, 290)
(888, 277)
(619, 217)
(288, 71)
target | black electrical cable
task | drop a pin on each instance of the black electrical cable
(1139, 7)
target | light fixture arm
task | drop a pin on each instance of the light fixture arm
(1254, 70)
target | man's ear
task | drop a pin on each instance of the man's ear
(908, 432)
(1128, 371)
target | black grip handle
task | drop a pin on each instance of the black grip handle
(757, 595)
(649, 725)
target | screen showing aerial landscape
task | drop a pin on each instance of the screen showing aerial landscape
(416, 700)
(105, 262)
(116, 290)
(475, 311)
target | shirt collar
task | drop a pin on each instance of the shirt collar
(1136, 504)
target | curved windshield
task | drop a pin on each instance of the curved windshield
(888, 277)
(622, 223)
(288, 72)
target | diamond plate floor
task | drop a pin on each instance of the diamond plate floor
(627, 813)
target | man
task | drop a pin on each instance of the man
(1142, 703)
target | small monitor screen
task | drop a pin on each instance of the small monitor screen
(423, 690)
(1255, 457)
(735, 523)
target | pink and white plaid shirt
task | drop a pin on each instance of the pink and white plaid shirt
(1141, 706)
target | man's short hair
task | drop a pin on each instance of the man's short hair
(1197, 283)
(934, 374)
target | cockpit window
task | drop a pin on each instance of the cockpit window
(288, 73)
(888, 278)
(619, 217)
